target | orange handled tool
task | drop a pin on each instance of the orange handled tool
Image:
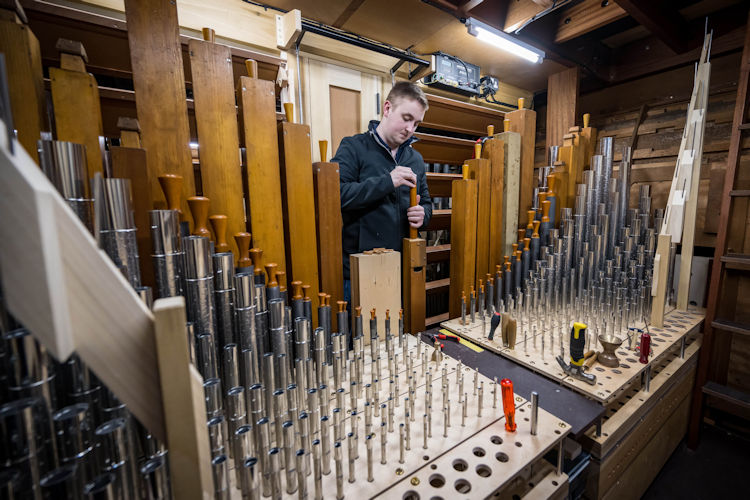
(509, 404)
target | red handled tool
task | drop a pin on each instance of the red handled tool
(509, 404)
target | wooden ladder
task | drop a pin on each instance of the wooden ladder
(730, 265)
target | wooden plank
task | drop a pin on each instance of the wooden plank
(440, 184)
(218, 139)
(441, 219)
(258, 114)
(78, 115)
(130, 163)
(495, 152)
(376, 284)
(562, 104)
(463, 242)
(329, 224)
(298, 205)
(521, 11)
(25, 85)
(511, 186)
(523, 121)
(586, 16)
(480, 170)
(438, 253)
(159, 82)
(184, 403)
(413, 284)
(455, 116)
(439, 149)
(436, 320)
(438, 286)
(659, 286)
(574, 163)
(288, 29)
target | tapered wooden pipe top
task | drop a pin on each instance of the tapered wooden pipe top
(251, 65)
(328, 299)
(536, 229)
(465, 171)
(358, 311)
(296, 290)
(400, 314)
(498, 268)
(323, 146)
(490, 130)
(321, 298)
(521, 234)
(255, 255)
(281, 280)
(542, 197)
(515, 248)
(341, 305)
(530, 214)
(586, 120)
(305, 291)
(171, 186)
(477, 149)
(481, 289)
(289, 111)
(526, 243)
(372, 313)
(209, 35)
(490, 281)
(387, 314)
(507, 263)
(413, 203)
(521, 102)
(551, 179)
(473, 293)
(506, 125)
(518, 255)
(219, 225)
(481, 283)
(463, 295)
(243, 245)
(545, 210)
(271, 269)
(199, 208)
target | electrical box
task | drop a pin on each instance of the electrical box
(450, 73)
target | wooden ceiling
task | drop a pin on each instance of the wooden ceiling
(611, 40)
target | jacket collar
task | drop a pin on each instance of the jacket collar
(372, 128)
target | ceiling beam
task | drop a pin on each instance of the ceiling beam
(521, 11)
(468, 5)
(586, 16)
(347, 13)
(667, 26)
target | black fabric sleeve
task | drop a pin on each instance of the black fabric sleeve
(356, 195)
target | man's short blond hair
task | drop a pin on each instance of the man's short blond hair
(407, 90)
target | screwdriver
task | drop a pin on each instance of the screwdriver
(509, 406)
(494, 323)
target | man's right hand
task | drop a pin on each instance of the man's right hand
(403, 176)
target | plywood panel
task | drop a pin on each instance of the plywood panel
(523, 121)
(159, 81)
(345, 114)
(562, 101)
(376, 284)
(463, 242)
(480, 171)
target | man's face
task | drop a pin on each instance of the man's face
(400, 120)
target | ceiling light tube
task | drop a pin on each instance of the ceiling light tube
(503, 41)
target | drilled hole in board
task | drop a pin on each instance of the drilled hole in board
(436, 498)
(519, 444)
(525, 419)
(411, 495)
(599, 369)
(631, 360)
(608, 377)
(460, 464)
(462, 486)
(433, 466)
(437, 481)
(425, 458)
(496, 440)
(483, 470)
(478, 452)
(554, 483)
(501, 457)
(616, 371)
(624, 365)
(557, 432)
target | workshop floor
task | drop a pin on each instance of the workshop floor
(715, 470)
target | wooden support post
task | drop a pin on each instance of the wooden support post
(75, 97)
(376, 284)
(562, 101)
(480, 170)
(571, 154)
(523, 121)
(257, 101)
(463, 241)
(23, 62)
(506, 179)
(218, 139)
(659, 286)
(159, 81)
(183, 402)
(299, 208)
(329, 223)
(130, 163)
(414, 273)
(588, 137)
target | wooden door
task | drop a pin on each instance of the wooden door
(345, 114)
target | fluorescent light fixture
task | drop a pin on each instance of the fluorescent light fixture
(503, 41)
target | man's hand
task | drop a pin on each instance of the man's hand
(403, 176)
(415, 214)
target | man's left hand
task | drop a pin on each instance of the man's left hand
(415, 215)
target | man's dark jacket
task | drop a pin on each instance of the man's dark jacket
(373, 211)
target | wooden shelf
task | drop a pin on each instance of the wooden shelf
(436, 320)
(440, 184)
(739, 192)
(463, 117)
(728, 398)
(440, 149)
(731, 326)
(438, 286)
(438, 253)
(441, 219)
(736, 261)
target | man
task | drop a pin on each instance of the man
(377, 170)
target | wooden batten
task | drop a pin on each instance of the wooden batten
(511, 172)
(463, 242)
(480, 171)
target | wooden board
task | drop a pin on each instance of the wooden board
(588, 138)
(494, 150)
(463, 242)
(480, 170)
(218, 139)
(661, 272)
(586, 16)
(573, 153)
(257, 101)
(184, 403)
(23, 62)
(414, 269)
(159, 81)
(299, 208)
(562, 101)
(329, 224)
(376, 283)
(130, 163)
(512, 172)
(610, 381)
(523, 121)
(78, 116)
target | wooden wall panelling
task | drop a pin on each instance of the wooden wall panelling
(298, 204)
(562, 101)
(329, 224)
(463, 242)
(78, 115)
(159, 81)
(257, 103)
(376, 284)
(480, 171)
(218, 138)
(25, 84)
(511, 172)
(523, 121)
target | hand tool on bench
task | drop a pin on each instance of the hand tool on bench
(575, 368)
